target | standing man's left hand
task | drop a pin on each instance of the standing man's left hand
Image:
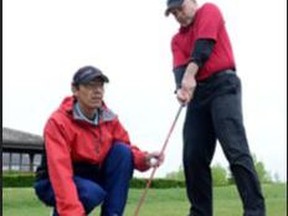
(188, 85)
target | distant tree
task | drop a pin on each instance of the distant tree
(263, 175)
(222, 177)
(230, 178)
(176, 175)
(219, 175)
(276, 178)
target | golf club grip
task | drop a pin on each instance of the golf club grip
(154, 168)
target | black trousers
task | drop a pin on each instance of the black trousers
(216, 113)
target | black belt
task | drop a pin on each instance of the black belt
(216, 75)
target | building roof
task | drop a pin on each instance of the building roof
(21, 142)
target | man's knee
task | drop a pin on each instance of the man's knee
(119, 158)
(90, 193)
(122, 149)
(44, 192)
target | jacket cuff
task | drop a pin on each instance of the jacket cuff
(140, 160)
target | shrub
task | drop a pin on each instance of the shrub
(219, 175)
(18, 179)
(27, 180)
(156, 183)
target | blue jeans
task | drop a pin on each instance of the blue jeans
(216, 113)
(111, 189)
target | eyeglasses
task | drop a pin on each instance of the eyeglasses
(94, 85)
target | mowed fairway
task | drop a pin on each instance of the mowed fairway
(159, 202)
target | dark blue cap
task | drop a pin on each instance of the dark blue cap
(86, 74)
(172, 4)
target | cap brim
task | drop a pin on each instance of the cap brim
(172, 6)
(103, 77)
(92, 77)
(167, 12)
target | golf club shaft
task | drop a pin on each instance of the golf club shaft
(154, 168)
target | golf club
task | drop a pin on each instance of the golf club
(154, 169)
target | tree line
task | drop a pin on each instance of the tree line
(223, 176)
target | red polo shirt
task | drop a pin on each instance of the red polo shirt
(208, 23)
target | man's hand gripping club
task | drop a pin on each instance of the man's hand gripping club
(188, 85)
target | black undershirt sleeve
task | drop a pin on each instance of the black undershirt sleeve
(202, 50)
(200, 54)
(178, 75)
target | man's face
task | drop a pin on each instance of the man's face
(185, 13)
(90, 95)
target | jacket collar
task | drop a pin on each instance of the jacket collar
(69, 106)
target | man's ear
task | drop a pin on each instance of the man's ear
(74, 89)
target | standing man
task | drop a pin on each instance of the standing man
(89, 159)
(206, 80)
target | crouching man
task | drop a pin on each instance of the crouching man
(89, 159)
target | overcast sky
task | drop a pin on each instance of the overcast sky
(46, 41)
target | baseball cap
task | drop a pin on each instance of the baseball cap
(172, 4)
(86, 74)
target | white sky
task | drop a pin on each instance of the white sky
(45, 42)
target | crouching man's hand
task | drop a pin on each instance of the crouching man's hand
(154, 159)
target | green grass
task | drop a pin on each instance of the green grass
(166, 202)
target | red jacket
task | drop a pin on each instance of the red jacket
(69, 140)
